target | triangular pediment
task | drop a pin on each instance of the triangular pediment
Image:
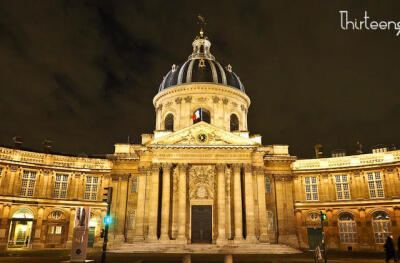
(202, 133)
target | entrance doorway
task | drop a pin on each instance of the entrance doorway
(314, 237)
(201, 224)
(21, 229)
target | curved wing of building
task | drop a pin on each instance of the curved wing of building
(200, 177)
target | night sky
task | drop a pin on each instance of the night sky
(83, 73)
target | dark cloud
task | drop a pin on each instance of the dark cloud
(83, 73)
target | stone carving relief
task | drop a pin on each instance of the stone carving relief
(215, 99)
(225, 101)
(202, 99)
(188, 99)
(169, 103)
(178, 100)
(201, 182)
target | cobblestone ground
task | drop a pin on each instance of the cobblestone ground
(56, 256)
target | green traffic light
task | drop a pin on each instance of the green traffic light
(107, 220)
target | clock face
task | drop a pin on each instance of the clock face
(202, 137)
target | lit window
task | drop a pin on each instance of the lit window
(28, 183)
(134, 185)
(347, 229)
(267, 185)
(60, 186)
(91, 187)
(375, 185)
(311, 188)
(382, 227)
(342, 187)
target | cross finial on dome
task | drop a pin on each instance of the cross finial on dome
(202, 22)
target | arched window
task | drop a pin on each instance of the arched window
(382, 226)
(201, 114)
(132, 219)
(267, 185)
(347, 228)
(234, 122)
(169, 122)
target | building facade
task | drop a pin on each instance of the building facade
(200, 177)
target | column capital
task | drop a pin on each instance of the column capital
(155, 167)
(236, 166)
(258, 169)
(248, 168)
(166, 166)
(220, 167)
(143, 169)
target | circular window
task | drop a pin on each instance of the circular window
(56, 215)
(314, 216)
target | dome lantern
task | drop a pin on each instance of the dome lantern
(201, 47)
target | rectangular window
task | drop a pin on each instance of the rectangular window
(60, 186)
(342, 187)
(91, 187)
(311, 188)
(134, 185)
(28, 183)
(1, 173)
(375, 185)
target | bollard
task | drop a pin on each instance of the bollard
(186, 258)
(228, 259)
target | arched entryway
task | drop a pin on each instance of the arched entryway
(20, 234)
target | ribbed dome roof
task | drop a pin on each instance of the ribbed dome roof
(201, 67)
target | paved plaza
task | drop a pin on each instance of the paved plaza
(56, 256)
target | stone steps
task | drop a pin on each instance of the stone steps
(203, 248)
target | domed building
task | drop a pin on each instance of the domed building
(201, 178)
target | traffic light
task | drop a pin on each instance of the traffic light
(107, 220)
(107, 193)
(323, 217)
(102, 233)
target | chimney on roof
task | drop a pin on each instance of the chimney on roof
(47, 146)
(359, 148)
(17, 142)
(318, 151)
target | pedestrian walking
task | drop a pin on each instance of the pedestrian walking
(389, 249)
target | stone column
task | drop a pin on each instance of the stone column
(142, 179)
(4, 226)
(72, 214)
(221, 239)
(14, 174)
(38, 229)
(249, 199)
(182, 204)
(262, 213)
(153, 212)
(237, 203)
(165, 201)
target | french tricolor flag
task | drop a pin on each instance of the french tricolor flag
(197, 114)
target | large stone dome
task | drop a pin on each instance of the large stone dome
(201, 66)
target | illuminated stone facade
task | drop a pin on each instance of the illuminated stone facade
(200, 180)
